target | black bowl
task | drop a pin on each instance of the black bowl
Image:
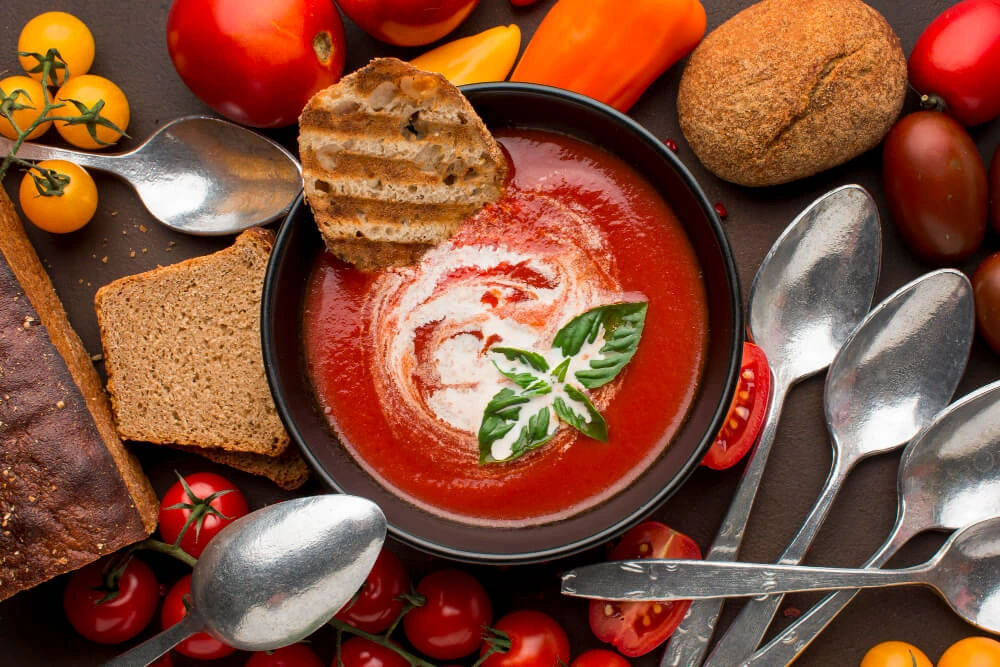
(524, 106)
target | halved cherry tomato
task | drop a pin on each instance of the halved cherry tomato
(111, 618)
(200, 645)
(377, 604)
(525, 638)
(746, 413)
(972, 652)
(636, 628)
(895, 654)
(450, 623)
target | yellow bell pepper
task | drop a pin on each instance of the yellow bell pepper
(487, 56)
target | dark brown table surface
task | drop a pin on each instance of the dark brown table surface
(131, 50)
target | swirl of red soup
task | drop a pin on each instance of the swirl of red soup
(401, 362)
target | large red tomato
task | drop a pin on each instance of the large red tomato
(408, 22)
(957, 58)
(258, 62)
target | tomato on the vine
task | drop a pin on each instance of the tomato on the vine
(599, 657)
(636, 628)
(63, 32)
(257, 63)
(525, 638)
(408, 22)
(200, 645)
(450, 622)
(986, 294)
(293, 655)
(957, 58)
(96, 96)
(58, 213)
(26, 107)
(746, 412)
(895, 654)
(109, 617)
(361, 652)
(378, 603)
(972, 652)
(935, 185)
(209, 503)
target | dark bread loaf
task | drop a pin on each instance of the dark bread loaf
(69, 491)
(788, 88)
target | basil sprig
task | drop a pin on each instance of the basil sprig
(545, 396)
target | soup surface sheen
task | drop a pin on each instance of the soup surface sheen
(400, 363)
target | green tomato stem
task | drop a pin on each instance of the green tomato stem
(381, 640)
(153, 544)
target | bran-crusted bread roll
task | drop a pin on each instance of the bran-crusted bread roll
(394, 159)
(69, 490)
(183, 355)
(788, 88)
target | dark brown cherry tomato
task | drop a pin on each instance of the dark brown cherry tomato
(935, 184)
(995, 189)
(986, 291)
(746, 413)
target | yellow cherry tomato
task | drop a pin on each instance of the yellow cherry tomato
(61, 31)
(90, 90)
(31, 97)
(487, 56)
(972, 652)
(63, 213)
(895, 654)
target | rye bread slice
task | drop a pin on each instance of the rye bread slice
(183, 355)
(394, 159)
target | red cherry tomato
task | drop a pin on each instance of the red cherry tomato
(449, 625)
(259, 62)
(116, 619)
(599, 657)
(360, 652)
(377, 604)
(212, 500)
(295, 655)
(200, 645)
(746, 413)
(527, 638)
(957, 59)
(986, 292)
(995, 189)
(408, 22)
(935, 185)
(636, 628)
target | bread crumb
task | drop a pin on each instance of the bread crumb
(60, 404)
(114, 213)
(131, 253)
(96, 357)
(104, 260)
(142, 228)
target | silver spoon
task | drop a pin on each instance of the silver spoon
(965, 572)
(198, 175)
(896, 371)
(276, 575)
(948, 478)
(813, 287)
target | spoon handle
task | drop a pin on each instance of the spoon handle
(151, 649)
(30, 151)
(689, 642)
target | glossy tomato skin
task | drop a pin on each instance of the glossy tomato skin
(986, 292)
(377, 604)
(599, 657)
(64, 213)
(536, 640)
(895, 654)
(957, 58)
(972, 652)
(360, 652)
(995, 189)
(294, 655)
(746, 413)
(935, 185)
(201, 645)
(408, 22)
(116, 620)
(636, 628)
(231, 505)
(450, 623)
(257, 63)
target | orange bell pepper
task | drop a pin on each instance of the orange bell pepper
(611, 50)
(487, 56)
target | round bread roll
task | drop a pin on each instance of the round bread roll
(788, 88)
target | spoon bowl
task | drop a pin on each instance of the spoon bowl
(198, 175)
(274, 576)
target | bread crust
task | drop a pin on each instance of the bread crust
(69, 490)
(789, 88)
(394, 159)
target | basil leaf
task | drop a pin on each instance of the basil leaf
(534, 435)
(594, 427)
(523, 380)
(503, 413)
(622, 324)
(526, 357)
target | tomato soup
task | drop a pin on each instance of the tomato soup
(401, 359)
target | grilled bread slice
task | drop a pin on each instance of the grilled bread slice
(394, 159)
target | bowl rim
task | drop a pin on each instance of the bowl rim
(652, 502)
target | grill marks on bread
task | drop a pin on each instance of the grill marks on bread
(394, 159)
